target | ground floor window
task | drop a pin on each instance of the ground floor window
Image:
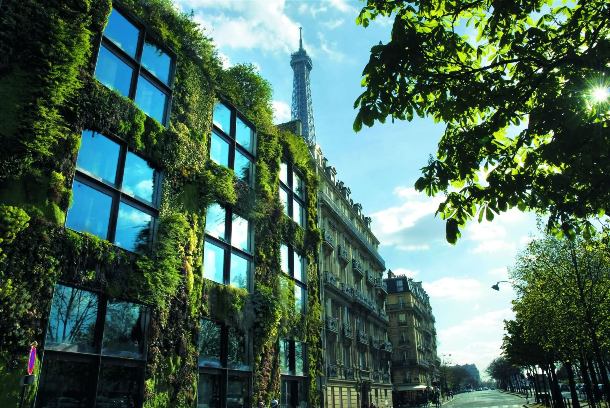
(223, 389)
(293, 392)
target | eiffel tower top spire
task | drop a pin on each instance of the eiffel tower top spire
(301, 91)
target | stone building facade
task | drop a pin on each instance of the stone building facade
(357, 350)
(411, 330)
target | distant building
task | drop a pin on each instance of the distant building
(411, 330)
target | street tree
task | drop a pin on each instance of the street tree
(522, 87)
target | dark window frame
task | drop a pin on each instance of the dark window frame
(231, 139)
(116, 193)
(290, 190)
(297, 283)
(135, 63)
(228, 249)
(97, 358)
(292, 358)
(224, 371)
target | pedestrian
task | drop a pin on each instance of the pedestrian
(261, 404)
(274, 404)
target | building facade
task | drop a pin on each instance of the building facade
(144, 258)
(357, 348)
(411, 330)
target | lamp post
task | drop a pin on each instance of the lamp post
(443, 384)
(497, 285)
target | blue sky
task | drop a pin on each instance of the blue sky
(380, 164)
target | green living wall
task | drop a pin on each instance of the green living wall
(47, 96)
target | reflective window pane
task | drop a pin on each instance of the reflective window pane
(209, 344)
(243, 167)
(72, 320)
(284, 173)
(299, 299)
(111, 71)
(139, 178)
(133, 229)
(299, 358)
(284, 356)
(219, 150)
(124, 329)
(119, 386)
(122, 33)
(238, 392)
(151, 99)
(157, 62)
(284, 260)
(98, 156)
(244, 135)
(90, 210)
(208, 391)
(240, 237)
(297, 212)
(213, 261)
(66, 383)
(237, 349)
(298, 267)
(222, 118)
(284, 200)
(240, 269)
(215, 221)
(297, 185)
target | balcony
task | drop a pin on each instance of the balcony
(370, 278)
(376, 376)
(347, 290)
(376, 343)
(361, 299)
(332, 324)
(348, 373)
(332, 280)
(385, 378)
(332, 371)
(328, 240)
(342, 254)
(365, 373)
(357, 267)
(382, 314)
(381, 286)
(387, 346)
(348, 332)
(362, 337)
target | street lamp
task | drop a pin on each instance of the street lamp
(497, 285)
(600, 94)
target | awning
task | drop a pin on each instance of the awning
(411, 387)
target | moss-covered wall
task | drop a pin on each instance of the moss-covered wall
(47, 96)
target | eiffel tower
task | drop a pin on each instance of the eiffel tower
(301, 91)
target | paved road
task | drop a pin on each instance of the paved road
(485, 399)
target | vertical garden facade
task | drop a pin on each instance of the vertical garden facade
(158, 235)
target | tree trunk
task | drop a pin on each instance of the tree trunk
(555, 387)
(597, 395)
(587, 381)
(573, 393)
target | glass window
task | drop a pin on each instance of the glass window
(284, 200)
(244, 135)
(138, 178)
(299, 358)
(113, 72)
(209, 344)
(222, 118)
(298, 267)
(67, 383)
(243, 167)
(237, 349)
(284, 356)
(72, 320)
(213, 265)
(297, 212)
(284, 173)
(157, 62)
(124, 329)
(239, 272)
(133, 229)
(119, 386)
(98, 156)
(121, 32)
(215, 221)
(284, 259)
(299, 299)
(90, 210)
(238, 392)
(208, 391)
(219, 150)
(240, 233)
(151, 99)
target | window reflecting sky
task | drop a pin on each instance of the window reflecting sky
(219, 150)
(122, 33)
(138, 178)
(150, 99)
(244, 135)
(215, 221)
(98, 156)
(242, 166)
(284, 259)
(132, 228)
(239, 272)
(111, 71)
(222, 118)
(213, 262)
(209, 343)
(240, 237)
(157, 62)
(90, 210)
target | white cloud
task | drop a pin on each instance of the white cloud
(494, 236)
(224, 59)
(405, 272)
(281, 112)
(332, 24)
(454, 288)
(411, 225)
(305, 8)
(342, 6)
(499, 273)
(239, 24)
(476, 340)
(330, 48)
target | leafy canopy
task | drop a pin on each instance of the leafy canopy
(514, 81)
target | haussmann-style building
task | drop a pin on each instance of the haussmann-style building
(415, 364)
(145, 259)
